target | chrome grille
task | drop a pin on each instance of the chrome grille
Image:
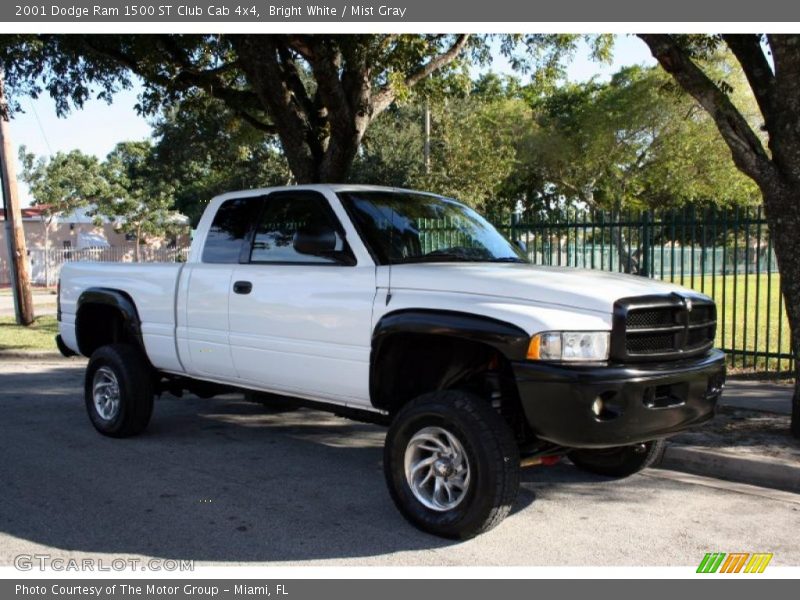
(662, 327)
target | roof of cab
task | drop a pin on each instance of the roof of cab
(334, 187)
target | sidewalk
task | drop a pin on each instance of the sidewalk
(748, 441)
(44, 303)
(758, 395)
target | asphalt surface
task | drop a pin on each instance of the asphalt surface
(223, 481)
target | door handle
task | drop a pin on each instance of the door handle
(242, 287)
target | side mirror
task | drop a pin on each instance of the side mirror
(521, 245)
(314, 240)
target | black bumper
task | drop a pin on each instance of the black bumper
(632, 403)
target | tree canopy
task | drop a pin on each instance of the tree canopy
(138, 201)
(64, 182)
(127, 188)
(317, 93)
(635, 140)
(202, 149)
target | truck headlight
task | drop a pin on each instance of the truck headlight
(569, 346)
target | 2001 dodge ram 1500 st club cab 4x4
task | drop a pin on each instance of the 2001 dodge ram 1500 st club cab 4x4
(352, 299)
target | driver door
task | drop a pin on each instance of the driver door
(300, 323)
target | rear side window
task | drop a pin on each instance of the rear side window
(229, 229)
(284, 215)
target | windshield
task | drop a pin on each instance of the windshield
(408, 227)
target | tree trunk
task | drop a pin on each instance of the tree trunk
(278, 87)
(782, 206)
(136, 251)
(795, 426)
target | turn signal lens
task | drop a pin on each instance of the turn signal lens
(534, 348)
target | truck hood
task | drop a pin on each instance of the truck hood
(584, 289)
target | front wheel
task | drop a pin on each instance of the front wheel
(451, 464)
(621, 461)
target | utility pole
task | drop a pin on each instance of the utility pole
(427, 148)
(15, 235)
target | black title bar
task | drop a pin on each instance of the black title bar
(442, 11)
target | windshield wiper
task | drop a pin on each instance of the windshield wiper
(508, 259)
(436, 258)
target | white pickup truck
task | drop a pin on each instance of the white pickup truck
(407, 309)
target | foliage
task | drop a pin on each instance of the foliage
(138, 201)
(471, 149)
(317, 93)
(392, 151)
(63, 183)
(203, 150)
(128, 188)
(635, 141)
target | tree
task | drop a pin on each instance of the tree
(472, 150)
(771, 64)
(138, 201)
(201, 149)
(60, 185)
(634, 141)
(317, 93)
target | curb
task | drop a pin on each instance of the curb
(31, 354)
(760, 471)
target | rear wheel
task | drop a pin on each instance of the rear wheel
(451, 464)
(118, 390)
(621, 461)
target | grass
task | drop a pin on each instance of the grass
(751, 319)
(38, 336)
(36, 289)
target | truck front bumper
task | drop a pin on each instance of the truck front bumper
(581, 406)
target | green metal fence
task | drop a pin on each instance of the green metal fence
(726, 254)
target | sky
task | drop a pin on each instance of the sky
(98, 127)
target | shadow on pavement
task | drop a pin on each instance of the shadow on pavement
(211, 480)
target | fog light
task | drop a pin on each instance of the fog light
(597, 406)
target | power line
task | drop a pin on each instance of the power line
(41, 129)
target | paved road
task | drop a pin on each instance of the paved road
(223, 481)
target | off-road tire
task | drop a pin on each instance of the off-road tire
(489, 446)
(135, 380)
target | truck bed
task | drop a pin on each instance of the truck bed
(151, 286)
